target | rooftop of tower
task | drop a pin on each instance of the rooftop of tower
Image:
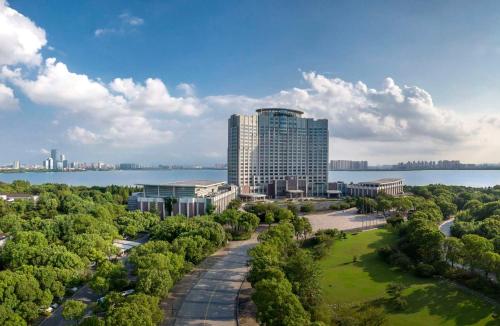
(279, 110)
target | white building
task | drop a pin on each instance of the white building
(390, 186)
(279, 153)
(191, 198)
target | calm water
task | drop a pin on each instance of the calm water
(479, 178)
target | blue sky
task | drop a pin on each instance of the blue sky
(233, 56)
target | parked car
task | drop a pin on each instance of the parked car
(128, 292)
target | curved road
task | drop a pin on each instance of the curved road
(445, 227)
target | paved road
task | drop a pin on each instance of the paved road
(86, 295)
(343, 220)
(211, 299)
(445, 227)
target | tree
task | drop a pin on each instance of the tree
(73, 310)
(383, 205)
(269, 219)
(302, 227)
(10, 318)
(453, 250)
(277, 305)
(234, 204)
(303, 273)
(169, 205)
(475, 247)
(154, 282)
(402, 205)
(138, 309)
(490, 263)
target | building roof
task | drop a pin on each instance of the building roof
(188, 183)
(384, 180)
(125, 244)
(252, 195)
(279, 109)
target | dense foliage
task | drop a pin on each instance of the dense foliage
(55, 243)
(471, 255)
(285, 275)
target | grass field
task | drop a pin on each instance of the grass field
(430, 302)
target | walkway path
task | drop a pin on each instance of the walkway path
(207, 296)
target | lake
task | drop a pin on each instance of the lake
(474, 178)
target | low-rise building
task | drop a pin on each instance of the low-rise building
(389, 186)
(189, 198)
(17, 196)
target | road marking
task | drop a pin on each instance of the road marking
(208, 304)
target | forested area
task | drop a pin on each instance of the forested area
(471, 256)
(284, 272)
(65, 240)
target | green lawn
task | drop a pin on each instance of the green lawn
(430, 302)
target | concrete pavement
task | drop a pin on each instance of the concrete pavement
(208, 295)
(348, 219)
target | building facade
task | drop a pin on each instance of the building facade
(279, 153)
(389, 186)
(188, 198)
(347, 165)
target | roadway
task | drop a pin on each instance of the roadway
(209, 297)
(445, 227)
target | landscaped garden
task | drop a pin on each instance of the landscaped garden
(353, 273)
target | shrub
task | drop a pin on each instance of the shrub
(400, 303)
(307, 208)
(385, 253)
(401, 260)
(425, 270)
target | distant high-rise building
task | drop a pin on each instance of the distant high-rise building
(48, 164)
(339, 165)
(277, 152)
(53, 155)
(16, 165)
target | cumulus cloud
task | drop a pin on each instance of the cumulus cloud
(122, 113)
(391, 113)
(154, 96)
(7, 99)
(20, 39)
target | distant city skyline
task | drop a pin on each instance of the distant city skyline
(135, 81)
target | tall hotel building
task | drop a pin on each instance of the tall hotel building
(278, 153)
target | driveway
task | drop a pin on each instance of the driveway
(208, 295)
(348, 219)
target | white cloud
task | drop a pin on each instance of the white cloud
(154, 96)
(131, 20)
(20, 39)
(123, 113)
(82, 135)
(102, 31)
(7, 99)
(127, 23)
